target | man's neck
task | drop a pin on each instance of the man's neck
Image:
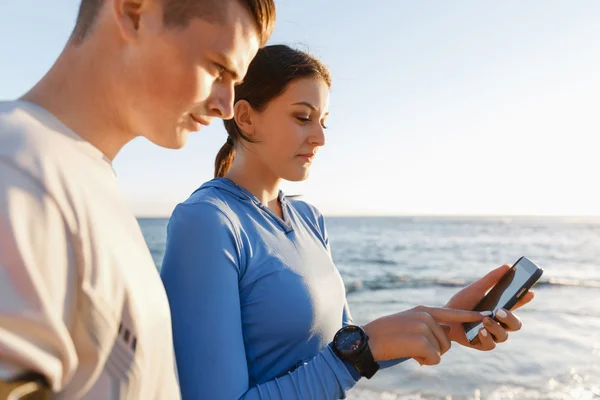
(78, 90)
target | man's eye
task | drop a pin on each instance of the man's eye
(220, 71)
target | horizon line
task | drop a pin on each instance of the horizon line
(426, 215)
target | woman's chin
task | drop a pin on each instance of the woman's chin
(297, 176)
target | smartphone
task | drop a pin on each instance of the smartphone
(506, 293)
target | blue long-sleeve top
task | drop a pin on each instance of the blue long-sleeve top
(255, 299)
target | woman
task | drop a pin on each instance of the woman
(255, 297)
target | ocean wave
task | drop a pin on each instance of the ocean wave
(573, 383)
(405, 282)
(372, 261)
(554, 392)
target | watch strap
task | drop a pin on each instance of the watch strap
(365, 363)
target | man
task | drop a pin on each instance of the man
(81, 303)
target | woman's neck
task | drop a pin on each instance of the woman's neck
(259, 181)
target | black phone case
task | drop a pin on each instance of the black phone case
(513, 301)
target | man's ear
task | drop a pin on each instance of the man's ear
(128, 14)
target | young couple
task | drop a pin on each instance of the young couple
(257, 306)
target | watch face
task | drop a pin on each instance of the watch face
(350, 340)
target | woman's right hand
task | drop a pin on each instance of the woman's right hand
(417, 333)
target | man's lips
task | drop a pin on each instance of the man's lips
(200, 120)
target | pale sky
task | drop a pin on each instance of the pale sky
(437, 107)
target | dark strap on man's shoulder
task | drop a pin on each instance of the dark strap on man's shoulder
(25, 387)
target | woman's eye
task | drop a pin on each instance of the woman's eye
(307, 119)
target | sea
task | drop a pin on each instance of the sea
(390, 264)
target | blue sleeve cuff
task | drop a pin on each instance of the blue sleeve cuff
(349, 366)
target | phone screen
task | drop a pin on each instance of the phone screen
(509, 286)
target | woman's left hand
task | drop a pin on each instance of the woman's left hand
(494, 332)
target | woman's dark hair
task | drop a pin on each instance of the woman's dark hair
(269, 74)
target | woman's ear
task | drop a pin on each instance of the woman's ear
(244, 117)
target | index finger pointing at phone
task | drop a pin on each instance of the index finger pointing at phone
(453, 315)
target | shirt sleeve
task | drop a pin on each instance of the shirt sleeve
(37, 282)
(201, 272)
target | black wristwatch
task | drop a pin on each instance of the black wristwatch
(351, 343)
